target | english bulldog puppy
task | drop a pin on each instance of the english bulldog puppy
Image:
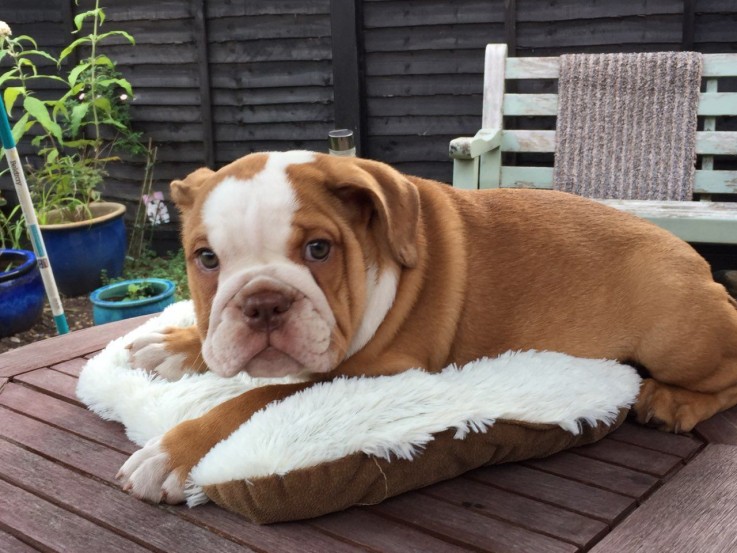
(316, 266)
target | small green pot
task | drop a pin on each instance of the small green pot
(108, 306)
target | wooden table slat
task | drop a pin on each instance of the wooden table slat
(696, 511)
(55, 528)
(84, 455)
(54, 383)
(580, 498)
(67, 416)
(63, 348)
(382, 534)
(720, 429)
(287, 537)
(94, 500)
(631, 456)
(72, 367)
(665, 442)
(539, 517)
(103, 463)
(467, 527)
(11, 544)
(597, 473)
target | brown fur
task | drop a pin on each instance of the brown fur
(486, 272)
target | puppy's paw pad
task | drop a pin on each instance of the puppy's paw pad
(150, 352)
(148, 475)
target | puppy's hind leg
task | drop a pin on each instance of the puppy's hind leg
(693, 369)
(677, 409)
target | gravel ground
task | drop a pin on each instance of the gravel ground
(78, 313)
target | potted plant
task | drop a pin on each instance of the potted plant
(76, 136)
(131, 298)
(22, 293)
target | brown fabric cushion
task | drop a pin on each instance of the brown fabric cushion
(360, 479)
(361, 440)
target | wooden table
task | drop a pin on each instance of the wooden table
(636, 490)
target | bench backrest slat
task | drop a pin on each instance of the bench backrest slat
(710, 103)
(715, 65)
(707, 142)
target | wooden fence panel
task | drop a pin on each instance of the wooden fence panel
(217, 79)
(424, 76)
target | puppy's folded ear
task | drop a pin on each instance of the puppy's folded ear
(395, 201)
(183, 191)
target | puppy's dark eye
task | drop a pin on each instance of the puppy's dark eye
(207, 259)
(317, 250)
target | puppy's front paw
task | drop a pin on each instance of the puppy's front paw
(171, 353)
(149, 475)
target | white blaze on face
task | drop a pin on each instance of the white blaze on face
(249, 226)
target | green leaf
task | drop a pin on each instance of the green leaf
(103, 104)
(79, 19)
(104, 60)
(78, 113)
(23, 62)
(79, 143)
(125, 35)
(38, 111)
(69, 49)
(114, 123)
(74, 73)
(51, 77)
(26, 38)
(39, 53)
(122, 83)
(11, 95)
(52, 156)
(21, 127)
(8, 75)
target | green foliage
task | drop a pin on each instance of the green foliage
(66, 183)
(12, 233)
(139, 291)
(150, 265)
(83, 129)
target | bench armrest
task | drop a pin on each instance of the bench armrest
(466, 147)
(471, 155)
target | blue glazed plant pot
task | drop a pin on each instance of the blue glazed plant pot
(109, 305)
(21, 291)
(79, 252)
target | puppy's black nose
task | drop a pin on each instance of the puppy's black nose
(265, 311)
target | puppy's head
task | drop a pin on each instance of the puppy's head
(294, 258)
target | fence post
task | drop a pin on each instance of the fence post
(203, 69)
(347, 82)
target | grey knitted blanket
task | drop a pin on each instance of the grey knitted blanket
(627, 125)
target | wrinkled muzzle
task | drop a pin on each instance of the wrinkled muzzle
(270, 321)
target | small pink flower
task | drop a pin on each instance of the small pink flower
(156, 209)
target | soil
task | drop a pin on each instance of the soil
(78, 312)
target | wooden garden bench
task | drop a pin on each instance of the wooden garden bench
(478, 161)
